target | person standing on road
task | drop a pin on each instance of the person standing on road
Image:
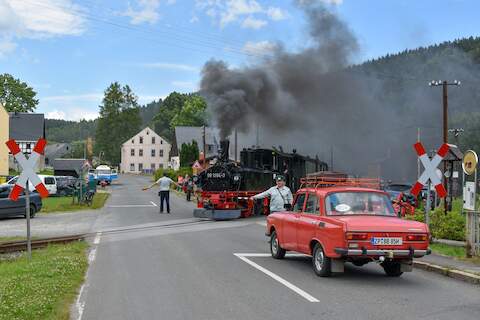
(164, 193)
(281, 197)
(189, 184)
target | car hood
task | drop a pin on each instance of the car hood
(366, 223)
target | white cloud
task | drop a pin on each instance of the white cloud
(147, 12)
(171, 66)
(55, 114)
(70, 98)
(259, 48)
(276, 14)
(225, 12)
(253, 23)
(38, 19)
(72, 114)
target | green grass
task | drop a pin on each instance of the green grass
(15, 238)
(447, 250)
(45, 287)
(46, 172)
(57, 204)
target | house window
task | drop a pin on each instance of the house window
(153, 152)
(140, 152)
(161, 141)
(133, 141)
(160, 166)
(161, 153)
(141, 140)
(152, 166)
(153, 140)
(140, 167)
(209, 148)
(147, 132)
(132, 152)
(132, 166)
(29, 146)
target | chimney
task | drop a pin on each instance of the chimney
(224, 148)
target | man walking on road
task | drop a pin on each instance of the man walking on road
(164, 183)
(280, 196)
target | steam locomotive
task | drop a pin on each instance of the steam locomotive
(227, 185)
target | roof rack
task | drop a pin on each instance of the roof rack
(324, 182)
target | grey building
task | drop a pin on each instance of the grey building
(70, 167)
(26, 129)
(55, 151)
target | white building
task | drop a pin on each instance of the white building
(145, 152)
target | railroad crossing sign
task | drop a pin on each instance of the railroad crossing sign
(430, 166)
(28, 169)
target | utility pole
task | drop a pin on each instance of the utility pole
(204, 149)
(445, 85)
(236, 142)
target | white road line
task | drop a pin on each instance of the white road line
(264, 223)
(153, 203)
(288, 255)
(131, 206)
(275, 276)
(80, 304)
(92, 255)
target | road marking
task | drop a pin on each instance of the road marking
(153, 203)
(132, 206)
(243, 256)
(80, 304)
(262, 223)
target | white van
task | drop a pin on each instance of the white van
(49, 181)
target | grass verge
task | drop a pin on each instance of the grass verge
(56, 204)
(453, 251)
(45, 287)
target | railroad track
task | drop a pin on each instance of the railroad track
(13, 246)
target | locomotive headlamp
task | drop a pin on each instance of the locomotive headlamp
(236, 178)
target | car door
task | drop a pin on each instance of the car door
(6, 205)
(291, 223)
(308, 223)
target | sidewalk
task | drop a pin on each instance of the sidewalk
(462, 270)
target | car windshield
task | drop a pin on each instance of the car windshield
(358, 203)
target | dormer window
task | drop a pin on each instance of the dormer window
(141, 140)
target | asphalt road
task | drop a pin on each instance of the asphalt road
(151, 266)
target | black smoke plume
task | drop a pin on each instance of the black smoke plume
(316, 102)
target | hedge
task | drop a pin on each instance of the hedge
(172, 174)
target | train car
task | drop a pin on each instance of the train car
(226, 186)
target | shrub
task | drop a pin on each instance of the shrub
(172, 174)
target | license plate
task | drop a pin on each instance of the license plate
(387, 241)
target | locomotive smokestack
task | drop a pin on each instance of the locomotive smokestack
(224, 150)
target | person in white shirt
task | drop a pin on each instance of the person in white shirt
(164, 183)
(280, 196)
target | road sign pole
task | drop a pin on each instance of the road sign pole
(427, 207)
(27, 215)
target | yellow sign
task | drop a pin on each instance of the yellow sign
(470, 161)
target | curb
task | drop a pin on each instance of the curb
(452, 273)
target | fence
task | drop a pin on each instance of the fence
(473, 233)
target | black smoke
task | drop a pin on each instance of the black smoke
(315, 101)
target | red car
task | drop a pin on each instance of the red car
(344, 222)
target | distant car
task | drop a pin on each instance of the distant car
(65, 185)
(339, 224)
(49, 181)
(10, 208)
(394, 189)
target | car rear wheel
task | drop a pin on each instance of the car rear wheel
(321, 263)
(33, 211)
(277, 251)
(392, 269)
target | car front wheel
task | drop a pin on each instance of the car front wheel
(33, 211)
(277, 251)
(392, 269)
(321, 263)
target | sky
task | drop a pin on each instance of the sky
(70, 51)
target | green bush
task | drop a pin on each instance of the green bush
(172, 174)
(450, 226)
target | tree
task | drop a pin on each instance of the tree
(119, 120)
(170, 107)
(16, 96)
(193, 113)
(188, 153)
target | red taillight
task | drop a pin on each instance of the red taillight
(357, 236)
(417, 237)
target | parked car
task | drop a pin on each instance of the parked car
(65, 185)
(338, 224)
(49, 181)
(10, 208)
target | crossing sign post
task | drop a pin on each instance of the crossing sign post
(26, 177)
